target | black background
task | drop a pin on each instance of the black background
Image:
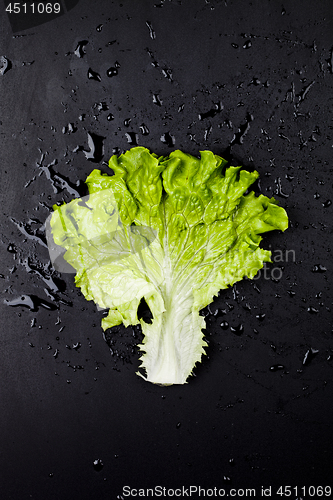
(251, 81)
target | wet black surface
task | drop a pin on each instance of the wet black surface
(251, 81)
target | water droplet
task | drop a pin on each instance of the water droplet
(212, 112)
(5, 65)
(99, 28)
(235, 45)
(127, 122)
(327, 203)
(260, 316)
(79, 51)
(11, 248)
(289, 177)
(318, 268)
(255, 81)
(247, 44)
(144, 129)
(178, 425)
(132, 138)
(101, 106)
(224, 325)
(312, 310)
(275, 368)
(113, 71)
(157, 100)
(309, 356)
(110, 117)
(167, 72)
(168, 139)
(151, 30)
(69, 129)
(155, 64)
(237, 330)
(278, 189)
(92, 75)
(95, 143)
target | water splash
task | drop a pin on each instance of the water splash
(45, 274)
(238, 137)
(59, 182)
(32, 302)
(32, 234)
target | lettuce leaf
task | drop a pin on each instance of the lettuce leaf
(173, 230)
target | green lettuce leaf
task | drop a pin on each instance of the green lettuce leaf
(172, 230)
